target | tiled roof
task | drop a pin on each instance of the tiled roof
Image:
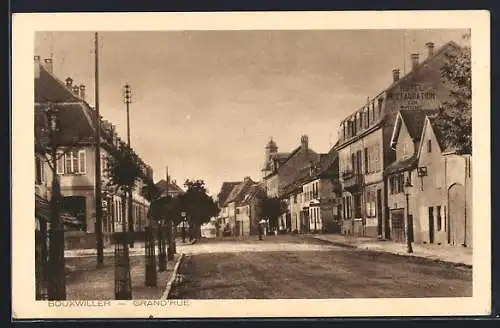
(172, 187)
(414, 121)
(49, 88)
(253, 192)
(73, 124)
(239, 191)
(440, 135)
(403, 165)
(76, 119)
(225, 190)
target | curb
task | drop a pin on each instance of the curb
(172, 278)
(345, 245)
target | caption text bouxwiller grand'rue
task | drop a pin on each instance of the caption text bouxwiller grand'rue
(87, 303)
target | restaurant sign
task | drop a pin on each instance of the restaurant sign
(414, 96)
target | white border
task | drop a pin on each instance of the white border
(24, 26)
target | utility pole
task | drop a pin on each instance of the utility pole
(98, 182)
(128, 100)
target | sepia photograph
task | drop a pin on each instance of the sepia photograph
(178, 166)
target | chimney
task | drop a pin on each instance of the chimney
(304, 143)
(414, 60)
(48, 64)
(395, 74)
(76, 90)
(430, 49)
(82, 91)
(69, 82)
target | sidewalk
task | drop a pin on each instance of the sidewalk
(109, 251)
(444, 253)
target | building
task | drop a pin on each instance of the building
(77, 122)
(313, 197)
(430, 185)
(225, 191)
(364, 141)
(248, 211)
(171, 188)
(232, 202)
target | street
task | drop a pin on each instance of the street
(301, 267)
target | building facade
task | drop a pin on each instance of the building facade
(430, 185)
(364, 141)
(76, 154)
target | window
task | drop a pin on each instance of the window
(429, 146)
(396, 184)
(373, 111)
(438, 218)
(380, 102)
(366, 161)
(39, 170)
(367, 116)
(71, 162)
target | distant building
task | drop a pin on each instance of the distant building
(313, 197)
(225, 191)
(171, 188)
(237, 195)
(249, 212)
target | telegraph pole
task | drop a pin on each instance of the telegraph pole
(98, 191)
(128, 100)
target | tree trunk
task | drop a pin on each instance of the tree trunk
(57, 273)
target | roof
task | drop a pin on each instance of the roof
(225, 190)
(73, 124)
(239, 191)
(253, 191)
(403, 165)
(76, 119)
(278, 157)
(414, 121)
(328, 165)
(410, 74)
(271, 144)
(49, 88)
(172, 186)
(300, 179)
(440, 133)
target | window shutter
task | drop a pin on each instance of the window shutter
(60, 163)
(366, 160)
(81, 160)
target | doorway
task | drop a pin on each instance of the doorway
(431, 225)
(456, 217)
(379, 212)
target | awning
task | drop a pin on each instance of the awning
(42, 211)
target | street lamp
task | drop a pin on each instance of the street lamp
(409, 220)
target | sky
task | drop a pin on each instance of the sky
(205, 103)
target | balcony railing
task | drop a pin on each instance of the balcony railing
(352, 179)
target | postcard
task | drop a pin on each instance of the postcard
(251, 164)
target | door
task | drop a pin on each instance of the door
(398, 225)
(379, 212)
(457, 219)
(431, 225)
(76, 206)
